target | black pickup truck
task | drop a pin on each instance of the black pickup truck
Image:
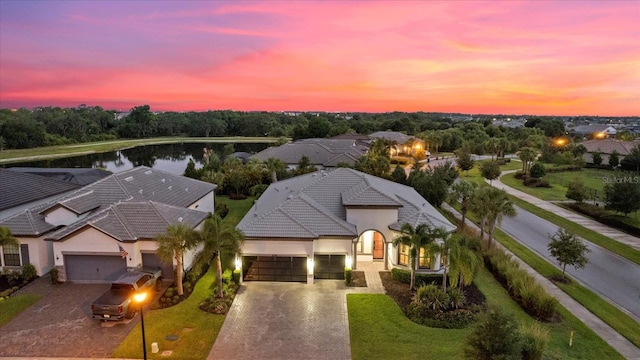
(117, 303)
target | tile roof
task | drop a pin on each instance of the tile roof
(607, 146)
(325, 152)
(27, 223)
(314, 205)
(137, 184)
(78, 176)
(398, 137)
(17, 188)
(130, 221)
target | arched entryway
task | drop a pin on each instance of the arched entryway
(371, 246)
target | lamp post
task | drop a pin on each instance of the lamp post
(140, 298)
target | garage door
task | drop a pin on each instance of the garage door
(153, 260)
(275, 268)
(329, 266)
(94, 268)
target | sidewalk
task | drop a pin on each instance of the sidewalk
(607, 231)
(607, 333)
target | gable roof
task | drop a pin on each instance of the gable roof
(398, 137)
(593, 128)
(17, 188)
(130, 221)
(138, 184)
(314, 205)
(325, 152)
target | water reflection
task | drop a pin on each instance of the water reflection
(172, 158)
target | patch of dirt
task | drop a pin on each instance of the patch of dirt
(358, 279)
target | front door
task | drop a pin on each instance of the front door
(378, 246)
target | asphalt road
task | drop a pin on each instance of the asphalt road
(606, 273)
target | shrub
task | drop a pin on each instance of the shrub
(536, 182)
(29, 272)
(519, 174)
(404, 276)
(537, 170)
(456, 298)
(495, 336)
(236, 276)
(576, 190)
(348, 276)
(227, 275)
(534, 341)
(54, 276)
(561, 168)
(433, 297)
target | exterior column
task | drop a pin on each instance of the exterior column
(355, 255)
(385, 255)
(310, 270)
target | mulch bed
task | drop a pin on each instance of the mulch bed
(400, 293)
(358, 279)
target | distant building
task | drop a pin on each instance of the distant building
(606, 147)
(595, 131)
(322, 153)
(78, 176)
(405, 144)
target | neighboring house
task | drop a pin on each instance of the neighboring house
(606, 147)
(96, 233)
(19, 191)
(322, 153)
(78, 176)
(405, 144)
(596, 131)
(312, 226)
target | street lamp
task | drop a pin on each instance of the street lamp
(140, 298)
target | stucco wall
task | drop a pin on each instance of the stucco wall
(333, 246)
(60, 216)
(278, 247)
(204, 204)
(373, 219)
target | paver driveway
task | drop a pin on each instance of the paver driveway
(60, 324)
(286, 321)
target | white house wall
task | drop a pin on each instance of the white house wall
(39, 254)
(277, 247)
(93, 242)
(373, 219)
(204, 204)
(333, 246)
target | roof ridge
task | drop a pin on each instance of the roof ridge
(306, 198)
(154, 205)
(120, 219)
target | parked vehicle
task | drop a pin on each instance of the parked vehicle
(117, 302)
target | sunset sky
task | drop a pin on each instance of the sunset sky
(511, 57)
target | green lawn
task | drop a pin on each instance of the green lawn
(614, 317)
(197, 330)
(11, 307)
(380, 330)
(51, 152)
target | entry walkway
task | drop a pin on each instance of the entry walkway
(606, 332)
(607, 231)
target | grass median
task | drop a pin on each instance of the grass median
(14, 305)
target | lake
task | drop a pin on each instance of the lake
(171, 158)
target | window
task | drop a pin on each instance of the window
(11, 255)
(403, 255)
(425, 260)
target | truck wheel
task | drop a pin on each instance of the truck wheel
(159, 284)
(130, 313)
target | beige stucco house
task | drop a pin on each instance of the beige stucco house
(313, 226)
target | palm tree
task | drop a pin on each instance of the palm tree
(415, 238)
(173, 244)
(274, 166)
(463, 191)
(444, 247)
(498, 205)
(217, 238)
(478, 205)
(527, 155)
(7, 238)
(463, 262)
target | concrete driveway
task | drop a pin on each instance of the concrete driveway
(60, 324)
(270, 320)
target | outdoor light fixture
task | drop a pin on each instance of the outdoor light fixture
(140, 298)
(348, 262)
(238, 263)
